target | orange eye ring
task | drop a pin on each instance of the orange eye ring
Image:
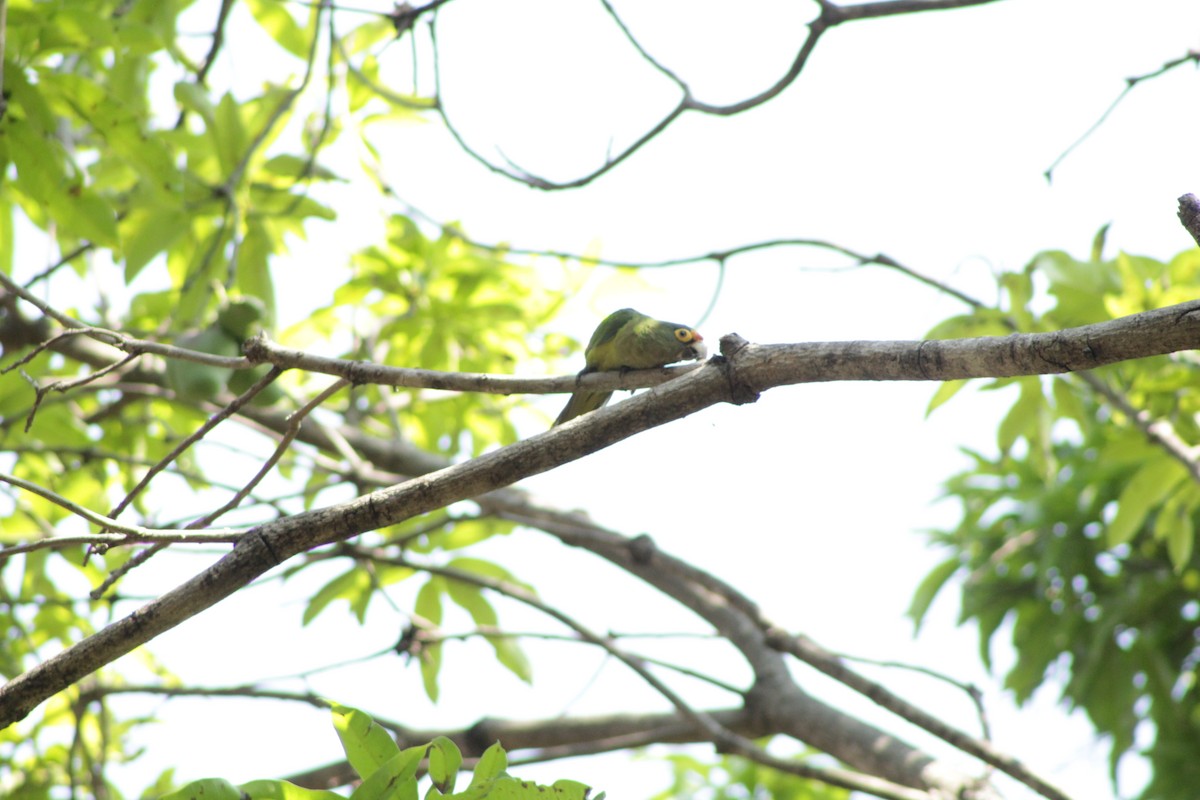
(684, 335)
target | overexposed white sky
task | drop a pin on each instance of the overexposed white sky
(924, 137)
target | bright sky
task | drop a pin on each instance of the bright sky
(923, 137)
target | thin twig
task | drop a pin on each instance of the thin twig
(260, 350)
(145, 555)
(892, 8)
(123, 530)
(212, 422)
(719, 257)
(969, 689)
(293, 428)
(830, 16)
(1159, 431)
(63, 260)
(65, 385)
(1130, 83)
(39, 304)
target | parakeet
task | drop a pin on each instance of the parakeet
(627, 339)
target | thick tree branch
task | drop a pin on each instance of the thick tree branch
(775, 700)
(816, 656)
(737, 377)
(765, 366)
(1189, 215)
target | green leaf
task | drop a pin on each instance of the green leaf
(282, 790)
(371, 33)
(506, 787)
(928, 590)
(395, 779)
(295, 167)
(368, 746)
(512, 657)
(6, 233)
(944, 392)
(254, 268)
(487, 569)
(195, 99)
(229, 133)
(985, 322)
(1174, 525)
(1145, 490)
(1181, 539)
(429, 600)
(430, 659)
(146, 232)
(1079, 286)
(88, 216)
(491, 764)
(353, 586)
(471, 599)
(1098, 242)
(1023, 419)
(445, 759)
(207, 789)
(568, 789)
(275, 20)
(1068, 404)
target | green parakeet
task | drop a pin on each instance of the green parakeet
(627, 339)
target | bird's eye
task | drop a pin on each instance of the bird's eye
(683, 334)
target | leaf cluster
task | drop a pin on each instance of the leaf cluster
(389, 773)
(186, 206)
(1077, 536)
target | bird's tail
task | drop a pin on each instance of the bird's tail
(582, 403)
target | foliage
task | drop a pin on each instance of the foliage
(1077, 537)
(388, 772)
(193, 218)
(191, 208)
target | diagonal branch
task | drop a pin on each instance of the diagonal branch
(775, 700)
(1192, 56)
(737, 377)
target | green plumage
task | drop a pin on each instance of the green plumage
(627, 339)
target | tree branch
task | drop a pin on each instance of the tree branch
(816, 656)
(737, 377)
(830, 16)
(260, 350)
(126, 534)
(712, 731)
(775, 699)
(1189, 215)
(892, 8)
(1130, 83)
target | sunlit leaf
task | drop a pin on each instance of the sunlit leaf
(368, 746)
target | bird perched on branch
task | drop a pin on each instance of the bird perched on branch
(627, 339)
